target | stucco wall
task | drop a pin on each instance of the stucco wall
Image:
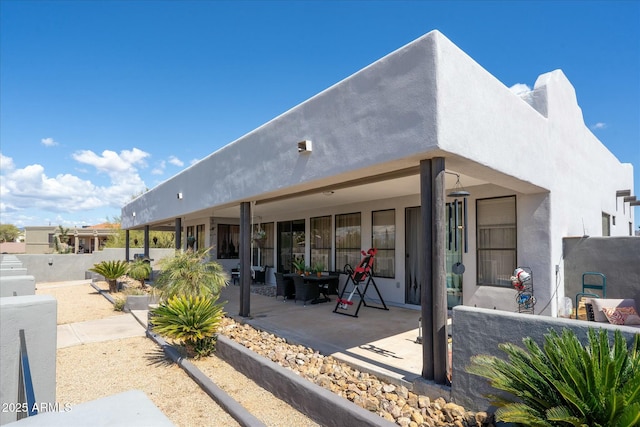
(37, 316)
(61, 267)
(350, 127)
(479, 331)
(618, 258)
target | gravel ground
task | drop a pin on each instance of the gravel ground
(96, 370)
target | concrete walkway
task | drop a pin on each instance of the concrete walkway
(111, 328)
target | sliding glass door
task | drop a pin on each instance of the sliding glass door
(291, 243)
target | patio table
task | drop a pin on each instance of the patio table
(325, 283)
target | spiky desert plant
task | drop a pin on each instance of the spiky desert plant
(191, 320)
(566, 383)
(111, 270)
(190, 273)
(140, 270)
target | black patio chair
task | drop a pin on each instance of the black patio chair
(305, 291)
(284, 287)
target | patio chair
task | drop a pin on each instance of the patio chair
(283, 287)
(305, 291)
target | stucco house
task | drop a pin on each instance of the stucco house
(86, 239)
(373, 160)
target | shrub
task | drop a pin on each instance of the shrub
(191, 320)
(140, 270)
(565, 383)
(118, 304)
(190, 273)
(111, 270)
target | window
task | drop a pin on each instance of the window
(200, 236)
(383, 236)
(348, 241)
(228, 241)
(496, 254)
(606, 224)
(321, 242)
(263, 247)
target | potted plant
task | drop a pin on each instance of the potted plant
(259, 236)
(317, 268)
(299, 265)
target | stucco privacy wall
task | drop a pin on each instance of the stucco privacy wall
(479, 331)
(37, 315)
(62, 267)
(350, 127)
(615, 257)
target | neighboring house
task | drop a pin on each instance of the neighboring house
(87, 239)
(368, 161)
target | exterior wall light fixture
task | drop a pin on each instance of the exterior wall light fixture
(305, 146)
(180, 196)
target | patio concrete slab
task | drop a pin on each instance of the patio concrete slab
(382, 342)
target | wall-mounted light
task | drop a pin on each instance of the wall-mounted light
(134, 214)
(305, 146)
(50, 262)
(179, 196)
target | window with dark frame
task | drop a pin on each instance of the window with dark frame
(320, 241)
(348, 240)
(383, 236)
(496, 240)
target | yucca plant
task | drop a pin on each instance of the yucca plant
(111, 270)
(190, 273)
(191, 320)
(566, 383)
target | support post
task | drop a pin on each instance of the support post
(126, 245)
(178, 233)
(146, 241)
(245, 258)
(426, 305)
(440, 347)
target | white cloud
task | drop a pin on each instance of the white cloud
(111, 162)
(28, 190)
(6, 163)
(176, 161)
(194, 161)
(48, 142)
(520, 88)
(159, 170)
(599, 125)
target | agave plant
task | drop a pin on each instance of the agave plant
(566, 383)
(191, 320)
(190, 273)
(111, 270)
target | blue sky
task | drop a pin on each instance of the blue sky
(102, 99)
